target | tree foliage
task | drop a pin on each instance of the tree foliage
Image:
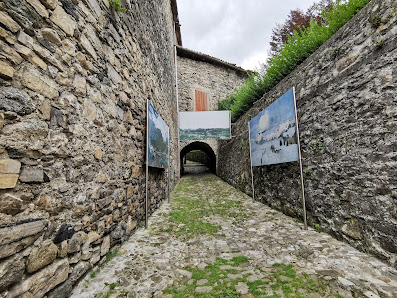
(299, 45)
(298, 20)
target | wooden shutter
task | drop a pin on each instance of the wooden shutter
(201, 101)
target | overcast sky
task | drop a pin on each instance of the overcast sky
(236, 31)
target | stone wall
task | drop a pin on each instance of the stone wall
(75, 76)
(346, 97)
(217, 80)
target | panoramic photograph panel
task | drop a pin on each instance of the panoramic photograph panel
(158, 133)
(211, 125)
(273, 135)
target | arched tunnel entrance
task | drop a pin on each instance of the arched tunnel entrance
(210, 161)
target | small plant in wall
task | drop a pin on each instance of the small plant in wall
(318, 145)
(116, 5)
(311, 173)
(335, 52)
(379, 43)
(244, 144)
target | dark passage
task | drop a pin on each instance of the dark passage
(196, 158)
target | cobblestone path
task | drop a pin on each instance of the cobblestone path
(213, 241)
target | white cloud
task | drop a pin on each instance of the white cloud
(254, 62)
(235, 31)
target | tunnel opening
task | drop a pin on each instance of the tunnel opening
(197, 157)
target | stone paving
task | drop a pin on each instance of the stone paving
(213, 241)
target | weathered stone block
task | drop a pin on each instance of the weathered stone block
(14, 247)
(74, 258)
(36, 60)
(57, 118)
(10, 166)
(101, 177)
(98, 153)
(89, 110)
(8, 181)
(41, 256)
(43, 281)
(61, 291)
(88, 47)
(105, 247)
(63, 249)
(51, 35)
(95, 6)
(63, 20)
(41, 10)
(7, 36)
(96, 255)
(346, 62)
(117, 233)
(24, 51)
(64, 290)
(68, 47)
(79, 84)
(66, 231)
(130, 191)
(15, 100)
(36, 81)
(25, 39)
(93, 236)
(27, 129)
(101, 226)
(10, 54)
(53, 71)
(131, 225)
(113, 75)
(20, 231)
(10, 204)
(63, 79)
(29, 175)
(51, 4)
(11, 271)
(86, 251)
(6, 20)
(74, 244)
(79, 270)
(352, 229)
(6, 70)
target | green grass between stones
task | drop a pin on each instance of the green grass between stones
(193, 209)
(224, 275)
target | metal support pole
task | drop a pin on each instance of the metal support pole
(147, 162)
(252, 172)
(300, 161)
(177, 99)
(169, 167)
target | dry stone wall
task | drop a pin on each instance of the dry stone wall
(215, 80)
(346, 97)
(74, 80)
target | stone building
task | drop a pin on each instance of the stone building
(202, 81)
(74, 80)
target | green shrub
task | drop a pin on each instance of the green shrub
(298, 47)
(116, 4)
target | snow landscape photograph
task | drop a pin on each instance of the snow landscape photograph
(273, 136)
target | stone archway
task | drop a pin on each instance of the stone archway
(202, 147)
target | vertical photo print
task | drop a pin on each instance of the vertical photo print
(273, 134)
(158, 136)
